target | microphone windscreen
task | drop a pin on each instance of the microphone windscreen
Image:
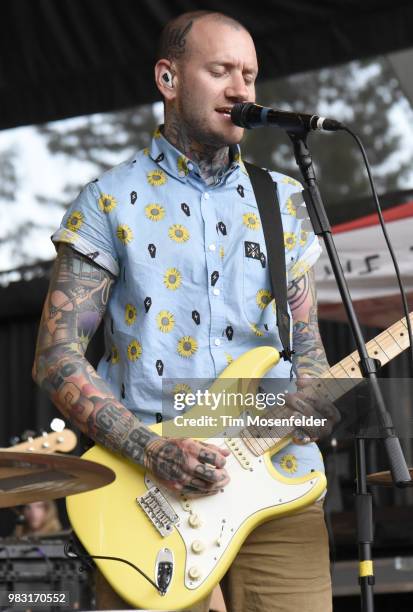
(238, 113)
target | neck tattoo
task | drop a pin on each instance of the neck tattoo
(212, 160)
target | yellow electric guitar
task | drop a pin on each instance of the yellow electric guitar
(186, 545)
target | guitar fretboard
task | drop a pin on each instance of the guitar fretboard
(333, 384)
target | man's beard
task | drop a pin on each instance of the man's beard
(198, 130)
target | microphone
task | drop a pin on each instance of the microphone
(250, 115)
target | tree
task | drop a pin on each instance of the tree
(101, 141)
(8, 174)
(360, 94)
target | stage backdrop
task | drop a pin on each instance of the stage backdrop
(74, 57)
(368, 267)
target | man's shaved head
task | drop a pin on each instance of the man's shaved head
(207, 63)
(173, 43)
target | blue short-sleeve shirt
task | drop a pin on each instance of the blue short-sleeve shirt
(192, 289)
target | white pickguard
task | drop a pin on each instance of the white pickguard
(223, 514)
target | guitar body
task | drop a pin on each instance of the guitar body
(196, 538)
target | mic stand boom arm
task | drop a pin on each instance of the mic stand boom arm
(398, 467)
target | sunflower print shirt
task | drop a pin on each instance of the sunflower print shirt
(192, 289)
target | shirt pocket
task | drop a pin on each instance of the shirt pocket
(257, 298)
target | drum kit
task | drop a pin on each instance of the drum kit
(34, 471)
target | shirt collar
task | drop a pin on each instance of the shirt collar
(179, 165)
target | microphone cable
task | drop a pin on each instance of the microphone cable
(388, 242)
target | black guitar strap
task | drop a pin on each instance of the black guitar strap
(266, 194)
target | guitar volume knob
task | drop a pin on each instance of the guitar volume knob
(194, 520)
(197, 547)
(194, 572)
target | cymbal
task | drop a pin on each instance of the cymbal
(28, 477)
(384, 478)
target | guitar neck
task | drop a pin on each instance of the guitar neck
(342, 377)
(384, 347)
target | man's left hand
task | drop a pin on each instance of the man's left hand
(308, 401)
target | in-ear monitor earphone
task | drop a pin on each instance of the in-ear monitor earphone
(167, 77)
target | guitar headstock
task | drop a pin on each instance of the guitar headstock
(56, 441)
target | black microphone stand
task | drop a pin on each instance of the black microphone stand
(368, 366)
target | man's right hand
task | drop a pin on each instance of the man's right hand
(187, 466)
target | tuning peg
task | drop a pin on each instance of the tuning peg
(14, 440)
(28, 435)
(57, 425)
(45, 443)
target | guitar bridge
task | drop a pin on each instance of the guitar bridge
(158, 510)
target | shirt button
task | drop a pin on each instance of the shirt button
(216, 291)
(217, 341)
(212, 247)
(206, 196)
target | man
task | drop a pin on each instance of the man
(160, 247)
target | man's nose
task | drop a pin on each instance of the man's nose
(237, 89)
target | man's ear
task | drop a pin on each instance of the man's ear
(165, 79)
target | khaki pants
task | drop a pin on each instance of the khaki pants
(283, 566)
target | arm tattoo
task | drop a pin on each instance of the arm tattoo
(298, 291)
(76, 302)
(309, 358)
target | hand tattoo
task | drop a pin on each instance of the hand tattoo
(166, 459)
(207, 457)
(175, 462)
